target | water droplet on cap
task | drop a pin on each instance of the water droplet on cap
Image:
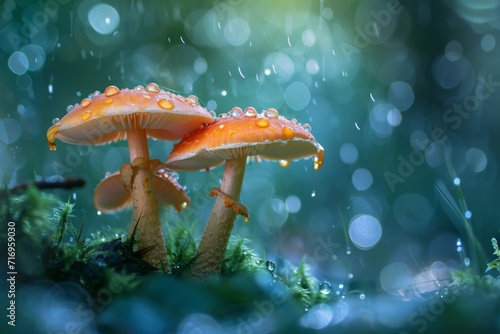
(55, 120)
(236, 112)
(152, 87)
(111, 90)
(307, 127)
(166, 104)
(250, 112)
(193, 100)
(94, 94)
(85, 102)
(262, 122)
(318, 159)
(271, 113)
(288, 132)
(86, 115)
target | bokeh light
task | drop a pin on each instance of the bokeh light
(348, 153)
(365, 231)
(104, 19)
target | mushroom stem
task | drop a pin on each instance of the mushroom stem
(146, 218)
(213, 243)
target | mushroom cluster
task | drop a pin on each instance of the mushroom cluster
(205, 142)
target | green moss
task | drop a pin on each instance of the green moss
(97, 260)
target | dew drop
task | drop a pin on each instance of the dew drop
(55, 120)
(246, 219)
(350, 276)
(111, 90)
(74, 196)
(99, 212)
(94, 94)
(69, 108)
(221, 126)
(467, 261)
(270, 266)
(51, 137)
(325, 288)
(288, 132)
(348, 250)
(284, 163)
(139, 87)
(294, 121)
(362, 296)
(153, 88)
(166, 104)
(86, 115)
(184, 205)
(85, 102)
(262, 122)
(318, 159)
(236, 112)
(271, 113)
(193, 100)
(313, 193)
(307, 127)
(250, 112)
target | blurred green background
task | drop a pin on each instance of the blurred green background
(403, 96)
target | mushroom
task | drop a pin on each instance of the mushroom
(134, 114)
(110, 195)
(232, 138)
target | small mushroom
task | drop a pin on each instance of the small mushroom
(232, 138)
(110, 195)
(134, 115)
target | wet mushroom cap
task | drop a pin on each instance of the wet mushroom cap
(248, 133)
(110, 194)
(106, 117)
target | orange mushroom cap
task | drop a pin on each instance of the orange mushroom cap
(106, 117)
(268, 135)
(110, 194)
